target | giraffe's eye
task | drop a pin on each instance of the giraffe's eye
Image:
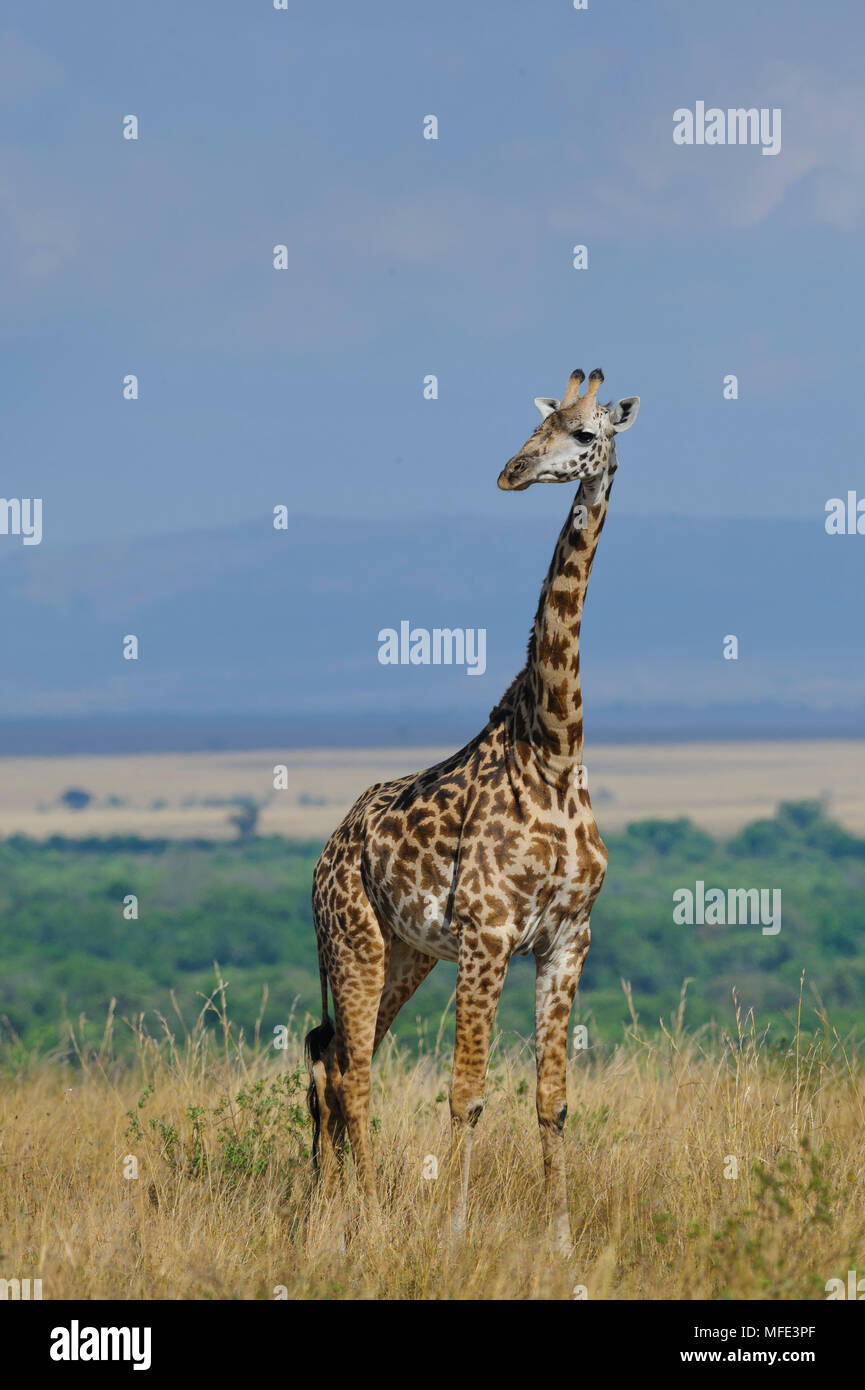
(584, 436)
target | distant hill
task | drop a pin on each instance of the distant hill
(246, 625)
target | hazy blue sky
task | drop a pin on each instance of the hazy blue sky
(411, 256)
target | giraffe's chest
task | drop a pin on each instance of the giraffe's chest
(524, 881)
(566, 898)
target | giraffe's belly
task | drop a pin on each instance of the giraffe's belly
(429, 928)
(570, 905)
(422, 921)
(432, 938)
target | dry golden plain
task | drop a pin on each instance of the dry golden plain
(184, 795)
(220, 1208)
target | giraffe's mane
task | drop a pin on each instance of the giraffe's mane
(508, 703)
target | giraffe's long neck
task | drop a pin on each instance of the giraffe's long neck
(551, 703)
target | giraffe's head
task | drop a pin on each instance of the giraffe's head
(575, 440)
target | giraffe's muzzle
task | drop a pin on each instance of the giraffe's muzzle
(515, 476)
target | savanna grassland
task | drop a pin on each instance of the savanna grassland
(715, 1147)
(184, 1172)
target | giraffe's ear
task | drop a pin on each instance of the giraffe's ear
(546, 405)
(624, 413)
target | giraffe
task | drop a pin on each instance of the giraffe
(492, 853)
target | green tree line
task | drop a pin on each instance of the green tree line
(66, 949)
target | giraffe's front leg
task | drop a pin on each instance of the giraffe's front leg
(557, 975)
(483, 963)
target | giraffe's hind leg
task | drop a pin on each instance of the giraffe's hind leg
(406, 969)
(356, 1001)
(356, 954)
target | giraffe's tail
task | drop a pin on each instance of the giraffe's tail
(315, 1046)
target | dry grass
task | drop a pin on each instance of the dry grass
(220, 1205)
